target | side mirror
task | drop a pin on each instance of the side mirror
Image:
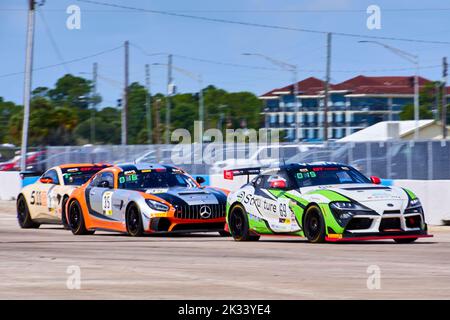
(375, 180)
(277, 184)
(104, 184)
(200, 180)
(46, 180)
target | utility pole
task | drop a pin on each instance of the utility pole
(416, 101)
(157, 121)
(27, 84)
(94, 100)
(124, 138)
(169, 93)
(201, 111)
(437, 99)
(297, 106)
(444, 97)
(327, 89)
(148, 104)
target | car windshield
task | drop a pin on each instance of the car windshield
(79, 175)
(155, 179)
(327, 175)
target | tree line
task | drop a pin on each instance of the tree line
(64, 114)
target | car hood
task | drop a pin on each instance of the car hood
(189, 196)
(376, 197)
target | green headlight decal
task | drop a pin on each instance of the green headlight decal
(411, 194)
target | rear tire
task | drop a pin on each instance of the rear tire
(76, 220)
(23, 215)
(238, 224)
(314, 225)
(134, 221)
(405, 240)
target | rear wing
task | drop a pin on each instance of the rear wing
(230, 174)
(25, 174)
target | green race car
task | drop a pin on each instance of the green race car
(322, 202)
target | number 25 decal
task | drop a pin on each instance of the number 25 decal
(106, 203)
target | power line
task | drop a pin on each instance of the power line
(228, 64)
(65, 62)
(52, 40)
(259, 25)
(261, 10)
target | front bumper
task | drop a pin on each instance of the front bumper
(376, 236)
(173, 225)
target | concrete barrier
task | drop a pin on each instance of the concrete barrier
(434, 196)
(10, 185)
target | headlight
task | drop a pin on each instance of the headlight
(344, 211)
(155, 205)
(348, 206)
(414, 206)
(414, 203)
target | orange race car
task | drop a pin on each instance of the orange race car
(146, 198)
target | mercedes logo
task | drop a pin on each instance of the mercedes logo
(205, 212)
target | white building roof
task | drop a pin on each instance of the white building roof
(385, 130)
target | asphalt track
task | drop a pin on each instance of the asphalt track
(34, 264)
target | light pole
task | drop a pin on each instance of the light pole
(294, 70)
(414, 59)
(27, 84)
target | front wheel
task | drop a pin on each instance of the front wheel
(134, 222)
(76, 220)
(238, 224)
(23, 215)
(405, 240)
(314, 225)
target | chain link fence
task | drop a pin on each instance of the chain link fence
(421, 160)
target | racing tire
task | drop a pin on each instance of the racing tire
(23, 215)
(134, 221)
(238, 225)
(314, 225)
(76, 220)
(63, 214)
(405, 240)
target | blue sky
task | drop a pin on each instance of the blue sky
(103, 28)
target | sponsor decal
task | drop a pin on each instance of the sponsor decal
(157, 190)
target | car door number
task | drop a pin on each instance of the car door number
(107, 203)
(38, 198)
(283, 210)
